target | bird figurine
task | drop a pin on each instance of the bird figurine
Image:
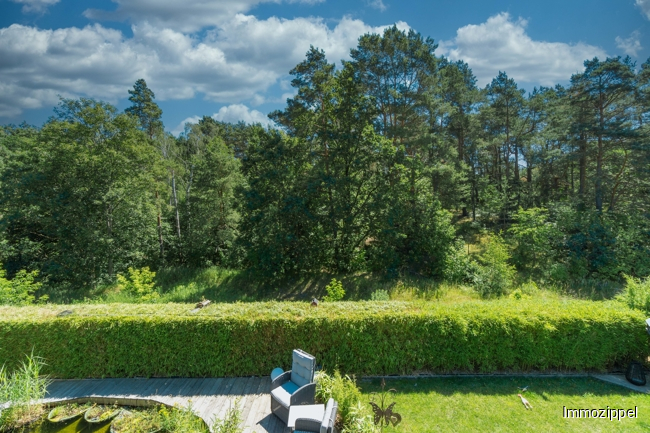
(314, 302)
(524, 389)
(527, 405)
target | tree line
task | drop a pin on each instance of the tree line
(371, 166)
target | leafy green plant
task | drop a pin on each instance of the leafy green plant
(380, 295)
(636, 293)
(20, 290)
(534, 240)
(21, 389)
(181, 420)
(364, 338)
(360, 421)
(139, 284)
(343, 389)
(494, 276)
(459, 268)
(231, 422)
(335, 291)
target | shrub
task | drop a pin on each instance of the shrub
(335, 291)
(181, 420)
(360, 421)
(139, 284)
(231, 422)
(343, 389)
(494, 276)
(20, 290)
(459, 268)
(21, 389)
(636, 293)
(535, 241)
(380, 295)
(369, 338)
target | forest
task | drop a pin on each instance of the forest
(393, 163)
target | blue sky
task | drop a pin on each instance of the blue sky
(230, 58)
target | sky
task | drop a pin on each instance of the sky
(230, 59)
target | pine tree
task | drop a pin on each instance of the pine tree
(145, 109)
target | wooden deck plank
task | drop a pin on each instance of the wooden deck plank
(210, 396)
(215, 406)
(250, 399)
(249, 414)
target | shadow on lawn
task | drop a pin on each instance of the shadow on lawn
(544, 387)
(224, 285)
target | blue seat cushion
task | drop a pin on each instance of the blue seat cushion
(283, 393)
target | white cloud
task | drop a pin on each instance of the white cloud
(186, 16)
(630, 45)
(377, 4)
(35, 5)
(644, 5)
(230, 64)
(231, 113)
(501, 44)
(240, 113)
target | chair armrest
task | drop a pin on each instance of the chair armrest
(281, 379)
(306, 424)
(304, 395)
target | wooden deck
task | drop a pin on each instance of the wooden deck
(209, 397)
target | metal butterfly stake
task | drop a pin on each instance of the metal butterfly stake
(385, 415)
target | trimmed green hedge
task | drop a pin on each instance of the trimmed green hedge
(124, 340)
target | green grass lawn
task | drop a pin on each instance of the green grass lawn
(225, 285)
(488, 404)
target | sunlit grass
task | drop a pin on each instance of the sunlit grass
(491, 404)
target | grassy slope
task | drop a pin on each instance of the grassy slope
(223, 285)
(491, 404)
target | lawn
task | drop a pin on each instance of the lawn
(491, 404)
(225, 285)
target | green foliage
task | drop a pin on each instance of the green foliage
(360, 421)
(367, 338)
(495, 275)
(231, 421)
(535, 241)
(459, 268)
(343, 390)
(335, 291)
(77, 199)
(380, 295)
(636, 293)
(21, 389)
(19, 290)
(139, 284)
(181, 420)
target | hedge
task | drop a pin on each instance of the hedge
(369, 338)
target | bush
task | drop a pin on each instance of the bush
(459, 268)
(181, 420)
(636, 293)
(494, 276)
(231, 422)
(20, 290)
(140, 284)
(343, 389)
(380, 295)
(369, 338)
(21, 389)
(535, 241)
(335, 291)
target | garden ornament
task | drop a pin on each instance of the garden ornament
(385, 413)
(527, 405)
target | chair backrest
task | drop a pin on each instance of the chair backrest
(302, 368)
(329, 418)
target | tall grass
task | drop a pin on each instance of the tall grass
(20, 391)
